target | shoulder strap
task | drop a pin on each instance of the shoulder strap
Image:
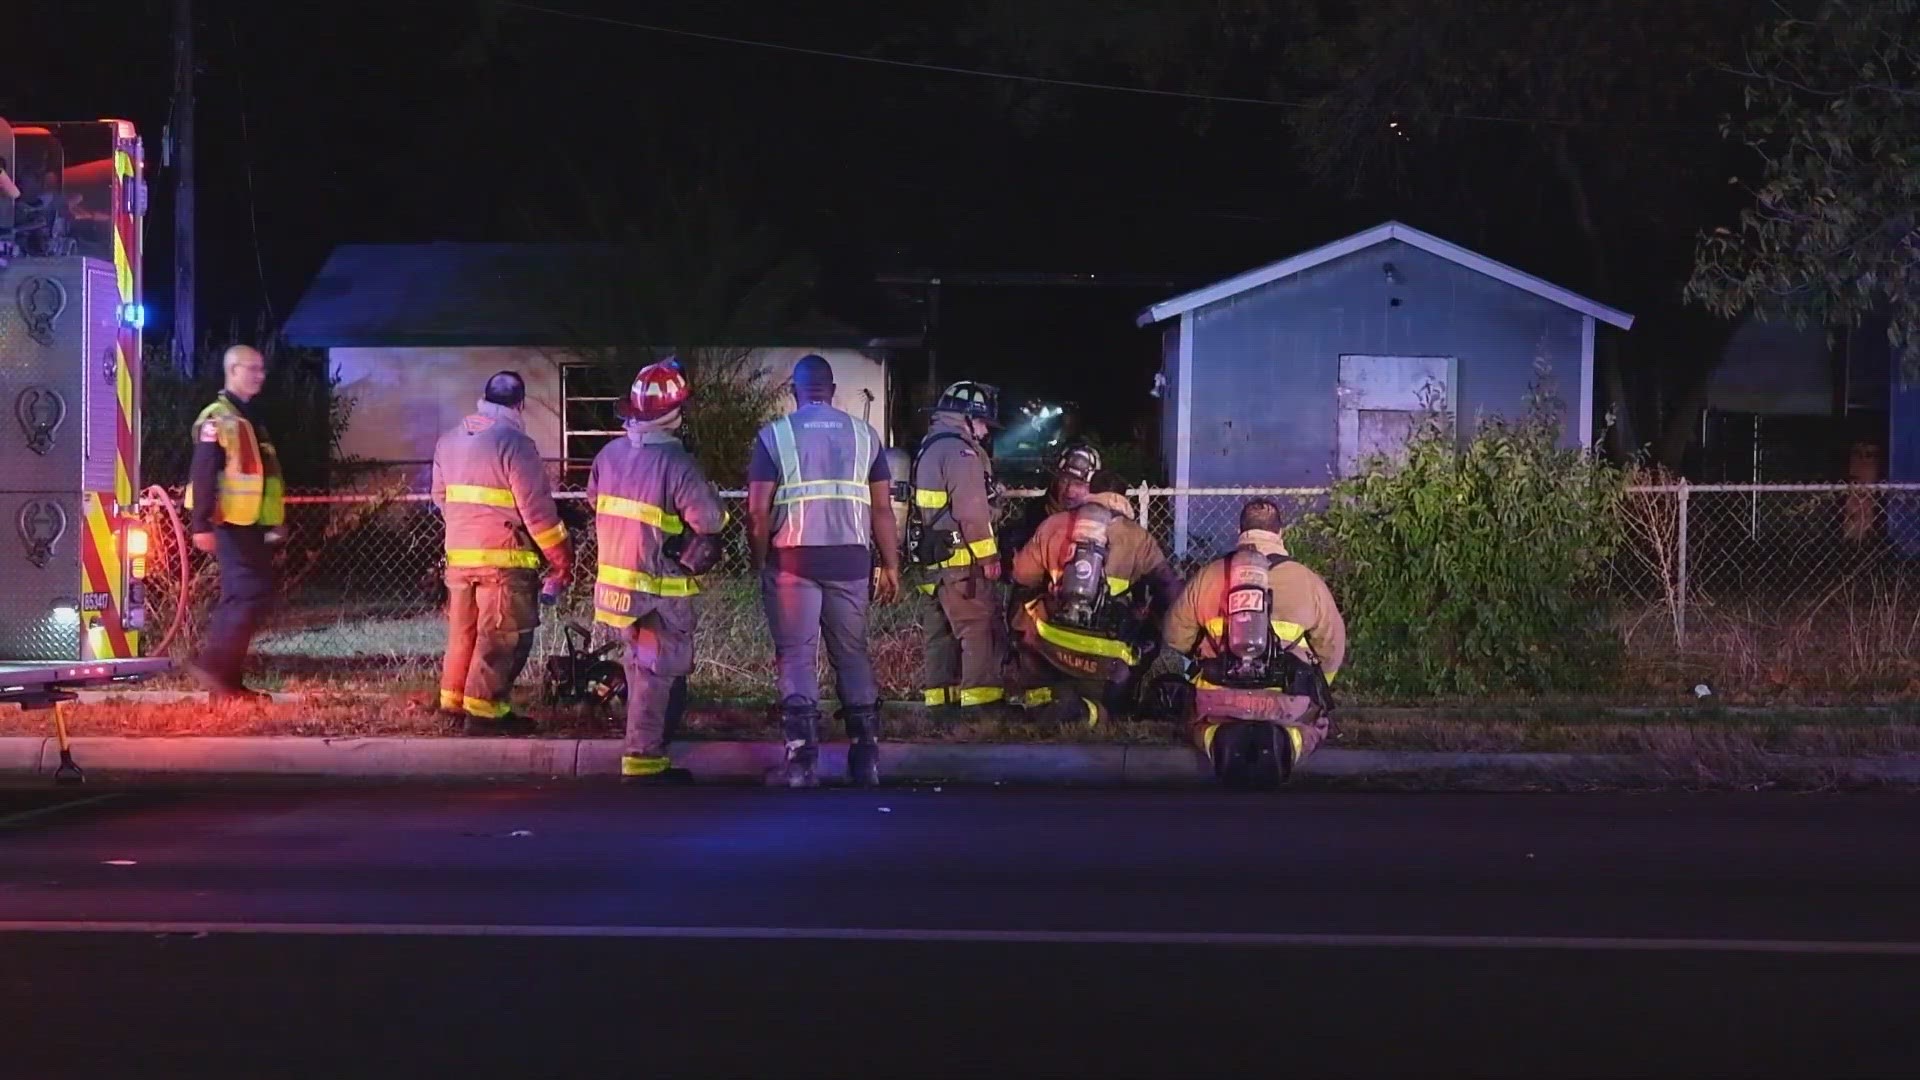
(925, 444)
(1276, 560)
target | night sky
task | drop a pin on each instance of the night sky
(463, 119)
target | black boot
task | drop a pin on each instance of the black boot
(800, 724)
(863, 745)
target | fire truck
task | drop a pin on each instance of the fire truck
(73, 552)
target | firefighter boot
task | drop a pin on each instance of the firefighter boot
(800, 724)
(863, 745)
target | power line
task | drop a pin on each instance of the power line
(246, 153)
(1042, 80)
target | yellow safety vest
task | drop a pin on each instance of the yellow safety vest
(251, 491)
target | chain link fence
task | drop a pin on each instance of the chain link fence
(1755, 586)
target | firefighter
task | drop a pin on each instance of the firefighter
(1269, 641)
(236, 504)
(818, 502)
(953, 486)
(1101, 584)
(1073, 471)
(657, 522)
(492, 491)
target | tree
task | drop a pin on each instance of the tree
(1833, 230)
(681, 272)
(1571, 132)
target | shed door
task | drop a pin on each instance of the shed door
(1381, 400)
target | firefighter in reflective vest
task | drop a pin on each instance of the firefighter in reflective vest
(953, 482)
(1102, 584)
(817, 502)
(236, 505)
(1269, 642)
(657, 521)
(491, 488)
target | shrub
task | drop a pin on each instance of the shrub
(1475, 568)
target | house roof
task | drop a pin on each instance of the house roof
(487, 295)
(1360, 241)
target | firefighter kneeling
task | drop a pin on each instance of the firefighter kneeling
(1105, 584)
(1268, 640)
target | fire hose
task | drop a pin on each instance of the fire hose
(184, 594)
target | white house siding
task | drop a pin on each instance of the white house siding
(405, 398)
(855, 374)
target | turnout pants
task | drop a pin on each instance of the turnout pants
(491, 616)
(246, 596)
(1092, 692)
(965, 640)
(802, 610)
(658, 659)
(1217, 712)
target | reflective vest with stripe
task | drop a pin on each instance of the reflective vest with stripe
(251, 490)
(645, 491)
(825, 498)
(492, 488)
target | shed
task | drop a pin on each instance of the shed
(1291, 374)
(412, 331)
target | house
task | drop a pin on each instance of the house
(1796, 404)
(412, 331)
(1292, 374)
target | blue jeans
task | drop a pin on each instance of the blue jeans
(799, 610)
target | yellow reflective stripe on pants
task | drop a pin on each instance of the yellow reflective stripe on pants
(643, 582)
(925, 587)
(618, 622)
(550, 538)
(936, 696)
(930, 500)
(508, 558)
(484, 709)
(1036, 697)
(450, 700)
(480, 495)
(981, 695)
(638, 765)
(644, 513)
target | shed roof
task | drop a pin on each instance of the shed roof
(486, 295)
(1360, 241)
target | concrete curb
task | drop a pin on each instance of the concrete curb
(957, 763)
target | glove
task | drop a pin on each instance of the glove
(550, 590)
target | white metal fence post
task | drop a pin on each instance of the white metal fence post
(1143, 498)
(1680, 595)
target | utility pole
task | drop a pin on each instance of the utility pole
(180, 145)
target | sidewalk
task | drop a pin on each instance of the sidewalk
(748, 761)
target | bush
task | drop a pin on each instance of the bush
(303, 414)
(1463, 570)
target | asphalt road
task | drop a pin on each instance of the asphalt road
(550, 931)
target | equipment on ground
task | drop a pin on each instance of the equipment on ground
(584, 674)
